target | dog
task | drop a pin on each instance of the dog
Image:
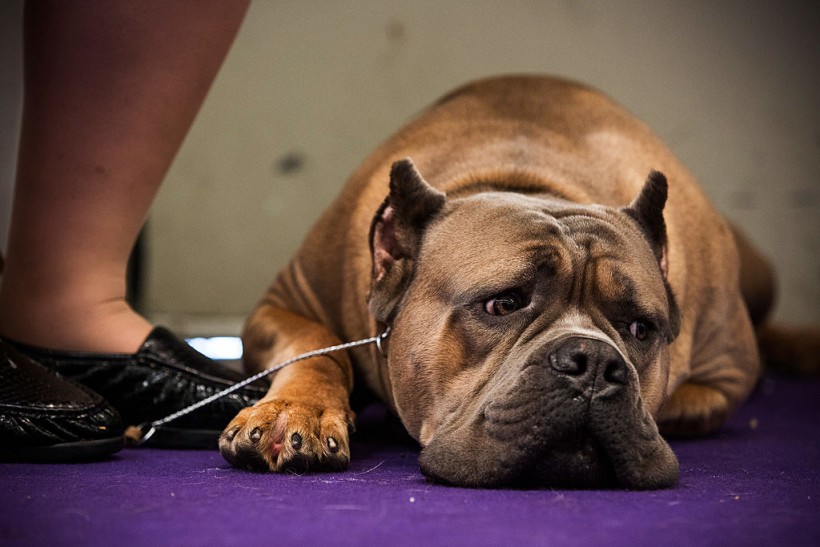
(559, 292)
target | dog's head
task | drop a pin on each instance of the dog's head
(530, 335)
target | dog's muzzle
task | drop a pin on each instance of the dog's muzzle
(572, 417)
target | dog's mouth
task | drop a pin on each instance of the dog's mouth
(579, 462)
(588, 457)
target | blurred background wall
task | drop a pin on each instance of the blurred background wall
(311, 88)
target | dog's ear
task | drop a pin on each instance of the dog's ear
(647, 210)
(395, 236)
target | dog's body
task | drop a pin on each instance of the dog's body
(545, 314)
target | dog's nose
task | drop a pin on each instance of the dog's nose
(586, 359)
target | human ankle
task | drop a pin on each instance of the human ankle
(109, 326)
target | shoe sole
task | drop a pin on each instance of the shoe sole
(75, 452)
(196, 439)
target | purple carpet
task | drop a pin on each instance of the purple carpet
(757, 482)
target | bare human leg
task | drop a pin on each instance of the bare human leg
(111, 89)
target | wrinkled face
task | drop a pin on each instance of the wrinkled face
(530, 346)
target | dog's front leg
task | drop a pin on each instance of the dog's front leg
(303, 421)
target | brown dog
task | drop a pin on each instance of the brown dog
(548, 303)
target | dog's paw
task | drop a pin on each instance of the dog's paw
(693, 410)
(277, 435)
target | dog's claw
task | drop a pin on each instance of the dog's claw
(256, 434)
(332, 445)
(231, 433)
(296, 441)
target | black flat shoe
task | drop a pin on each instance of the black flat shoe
(164, 376)
(46, 418)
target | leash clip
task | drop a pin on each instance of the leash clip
(379, 339)
(137, 435)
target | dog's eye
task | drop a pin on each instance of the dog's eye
(503, 304)
(640, 329)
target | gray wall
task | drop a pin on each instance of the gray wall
(310, 88)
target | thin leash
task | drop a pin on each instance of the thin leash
(137, 435)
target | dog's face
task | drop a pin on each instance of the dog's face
(530, 336)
